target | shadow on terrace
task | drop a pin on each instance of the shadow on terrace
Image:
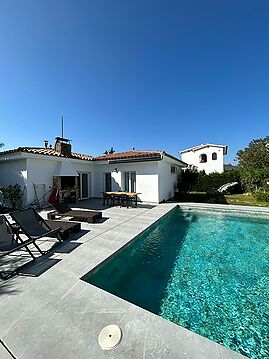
(97, 204)
(7, 287)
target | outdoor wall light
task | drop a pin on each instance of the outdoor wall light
(115, 170)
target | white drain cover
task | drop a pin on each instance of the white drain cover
(110, 336)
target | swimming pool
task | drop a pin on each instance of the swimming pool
(206, 271)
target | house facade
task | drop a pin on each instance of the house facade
(153, 174)
(206, 157)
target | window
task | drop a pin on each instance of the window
(174, 169)
(214, 156)
(203, 158)
(130, 181)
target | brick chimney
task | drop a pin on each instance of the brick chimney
(63, 146)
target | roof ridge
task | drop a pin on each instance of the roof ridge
(47, 151)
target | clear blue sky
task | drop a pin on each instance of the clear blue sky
(153, 74)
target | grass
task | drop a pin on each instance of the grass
(245, 199)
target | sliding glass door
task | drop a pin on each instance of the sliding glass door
(84, 185)
(129, 181)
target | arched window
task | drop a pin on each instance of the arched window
(214, 156)
(203, 158)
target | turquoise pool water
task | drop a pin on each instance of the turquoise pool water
(207, 272)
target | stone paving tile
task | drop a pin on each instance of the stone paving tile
(225, 207)
(160, 341)
(4, 354)
(76, 335)
(26, 330)
(36, 298)
(12, 288)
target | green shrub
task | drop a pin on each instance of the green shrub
(252, 177)
(13, 194)
(188, 180)
(201, 182)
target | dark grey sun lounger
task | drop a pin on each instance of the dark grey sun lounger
(8, 246)
(65, 211)
(33, 225)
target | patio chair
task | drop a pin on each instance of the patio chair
(124, 199)
(65, 211)
(107, 199)
(9, 245)
(34, 226)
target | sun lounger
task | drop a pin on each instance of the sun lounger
(8, 246)
(66, 227)
(34, 226)
(64, 210)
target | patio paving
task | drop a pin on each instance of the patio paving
(48, 312)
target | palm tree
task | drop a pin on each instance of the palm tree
(109, 152)
(2, 144)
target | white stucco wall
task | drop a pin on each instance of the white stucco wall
(192, 158)
(167, 180)
(41, 171)
(146, 178)
(12, 172)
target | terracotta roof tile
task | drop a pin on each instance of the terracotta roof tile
(128, 154)
(47, 152)
(136, 154)
(81, 156)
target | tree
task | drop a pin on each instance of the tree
(2, 144)
(256, 154)
(12, 194)
(109, 152)
(254, 164)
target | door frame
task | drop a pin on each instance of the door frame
(80, 184)
(105, 173)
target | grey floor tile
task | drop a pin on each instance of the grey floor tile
(4, 353)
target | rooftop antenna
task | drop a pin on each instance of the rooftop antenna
(62, 127)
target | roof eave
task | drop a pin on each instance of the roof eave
(20, 154)
(135, 159)
(175, 159)
(196, 148)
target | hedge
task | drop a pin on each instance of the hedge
(202, 182)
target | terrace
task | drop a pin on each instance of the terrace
(47, 311)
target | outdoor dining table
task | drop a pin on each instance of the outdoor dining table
(128, 195)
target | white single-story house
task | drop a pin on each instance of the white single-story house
(206, 157)
(37, 170)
